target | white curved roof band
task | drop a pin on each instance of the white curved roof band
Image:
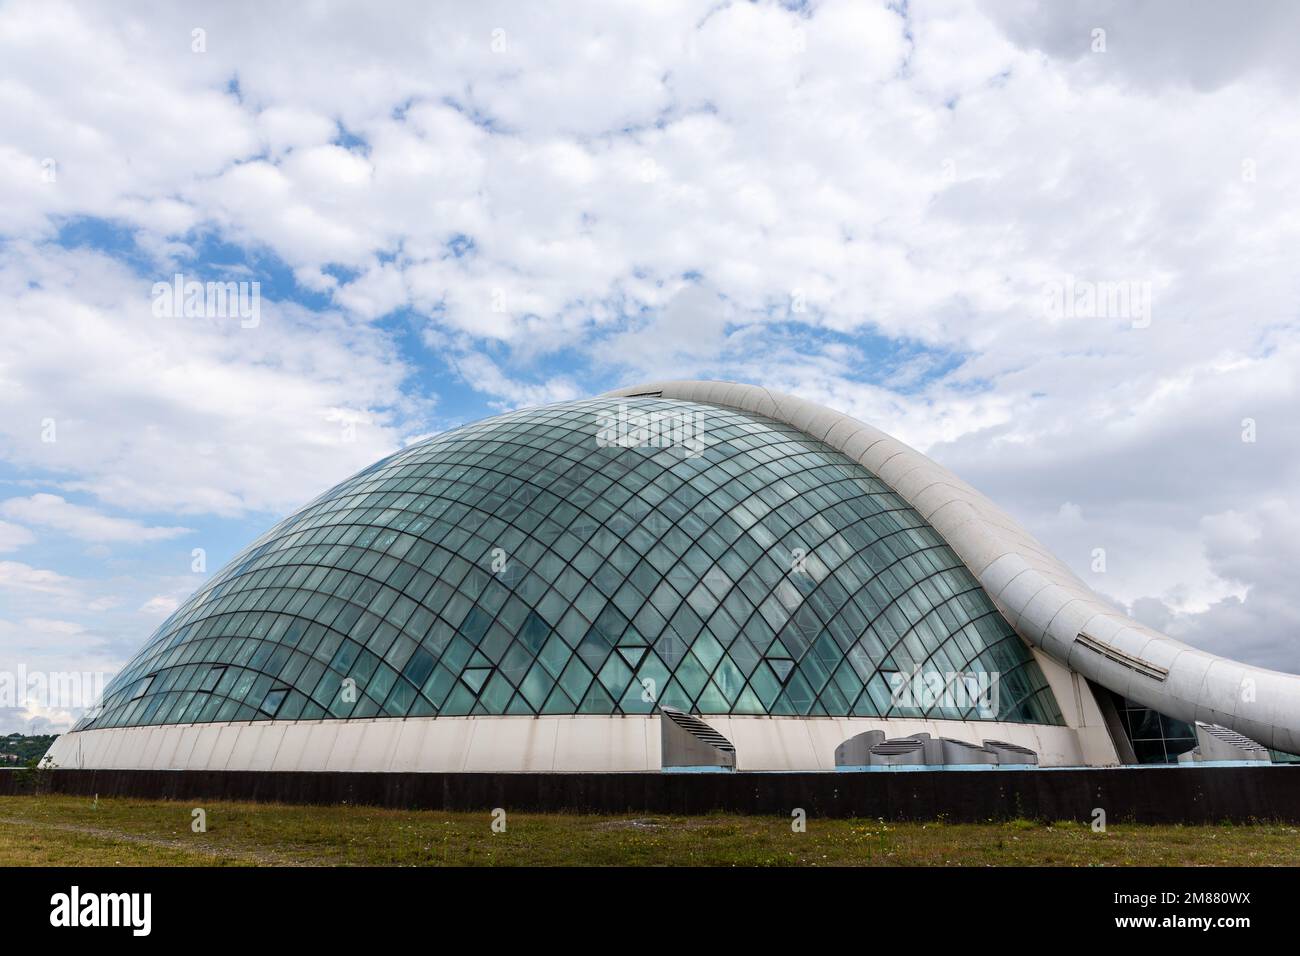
(1045, 601)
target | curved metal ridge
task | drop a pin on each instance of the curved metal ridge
(1047, 604)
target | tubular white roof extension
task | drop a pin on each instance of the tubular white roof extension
(1047, 603)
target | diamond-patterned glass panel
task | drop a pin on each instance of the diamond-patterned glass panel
(526, 564)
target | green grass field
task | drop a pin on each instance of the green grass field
(72, 831)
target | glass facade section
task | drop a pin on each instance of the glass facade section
(526, 564)
(1155, 737)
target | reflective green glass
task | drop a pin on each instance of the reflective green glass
(525, 564)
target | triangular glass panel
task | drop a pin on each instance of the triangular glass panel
(632, 655)
(782, 668)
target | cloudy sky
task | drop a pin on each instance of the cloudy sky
(901, 210)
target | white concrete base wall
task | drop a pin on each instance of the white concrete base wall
(510, 744)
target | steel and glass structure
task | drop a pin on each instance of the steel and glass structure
(529, 591)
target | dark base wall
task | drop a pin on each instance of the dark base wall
(1182, 794)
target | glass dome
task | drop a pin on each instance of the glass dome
(528, 564)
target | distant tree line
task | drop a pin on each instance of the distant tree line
(26, 748)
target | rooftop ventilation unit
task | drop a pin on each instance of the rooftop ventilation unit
(959, 753)
(902, 752)
(922, 750)
(856, 751)
(1217, 743)
(1011, 754)
(688, 741)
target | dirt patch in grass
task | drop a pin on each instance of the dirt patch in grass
(635, 824)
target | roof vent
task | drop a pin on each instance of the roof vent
(856, 751)
(901, 752)
(959, 753)
(1215, 742)
(1012, 754)
(922, 750)
(690, 742)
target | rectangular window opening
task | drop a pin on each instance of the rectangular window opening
(273, 699)
(143, 686)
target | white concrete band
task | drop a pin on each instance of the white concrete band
(1046, 603)
(563, 744)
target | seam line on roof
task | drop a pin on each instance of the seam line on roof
(1020, 615)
